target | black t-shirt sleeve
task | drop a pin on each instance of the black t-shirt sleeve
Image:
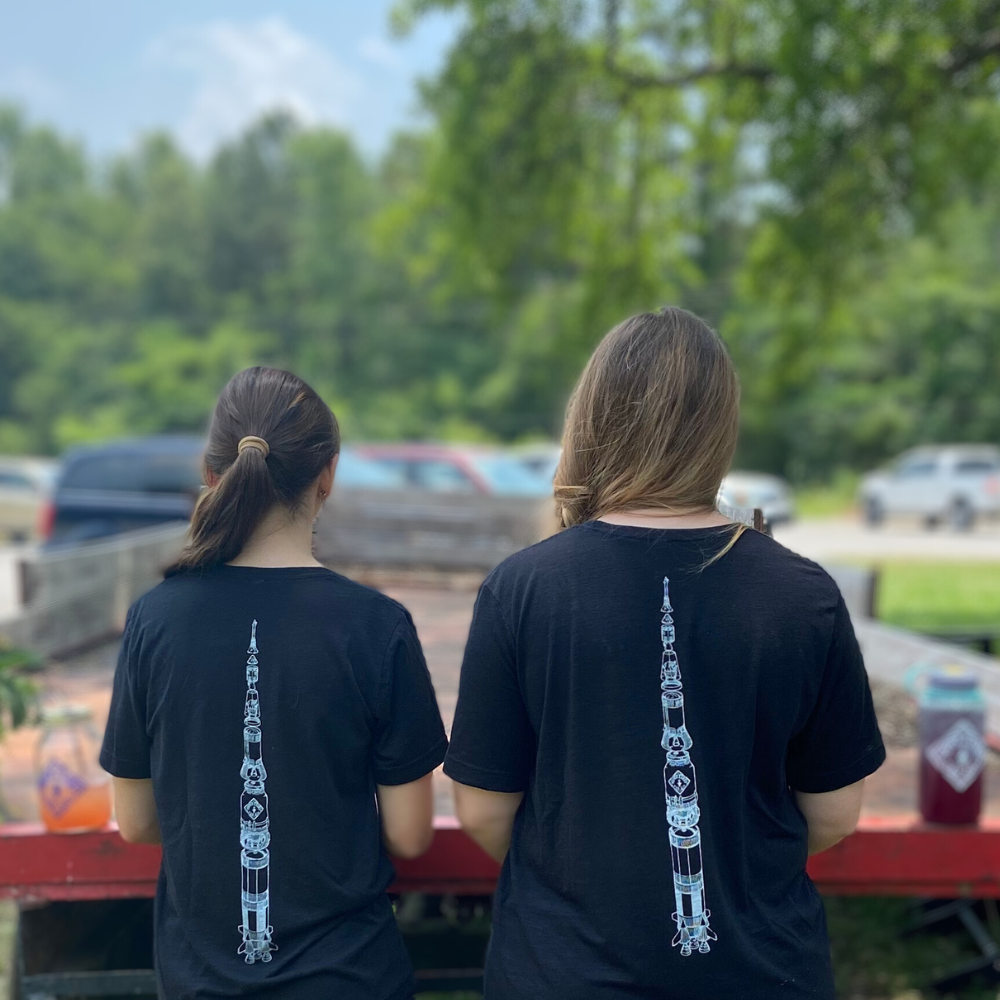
(409, 735)
(125, 751)
(492, 742)
(840, 743)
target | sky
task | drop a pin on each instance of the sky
(106, 71)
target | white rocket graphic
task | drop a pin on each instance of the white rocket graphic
(255, 833)
(680, 786)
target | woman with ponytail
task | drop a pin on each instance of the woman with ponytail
(274, 726)
(660, 715)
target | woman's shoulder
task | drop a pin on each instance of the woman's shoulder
(756, 563)
(762, 562)
(325, 587)
(543, 564)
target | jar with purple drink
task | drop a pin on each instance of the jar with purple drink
(951, 723)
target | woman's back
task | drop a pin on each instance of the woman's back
(266, 704)
(655, 711)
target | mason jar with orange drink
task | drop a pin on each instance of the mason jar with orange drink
(74, 793)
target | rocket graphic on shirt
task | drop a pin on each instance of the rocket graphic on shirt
(680, 786)
(255, 833)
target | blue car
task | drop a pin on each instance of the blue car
(107, 489)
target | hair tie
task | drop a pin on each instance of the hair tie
(253, 442)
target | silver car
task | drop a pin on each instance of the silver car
(953, 483)
(24, 485)
(758, 489)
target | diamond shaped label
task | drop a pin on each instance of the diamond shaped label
(59, 787)
(679, 782)
(959, 755)
(254, 809)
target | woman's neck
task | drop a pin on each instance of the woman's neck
(279, 541)
(658, 518)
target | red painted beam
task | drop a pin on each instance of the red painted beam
(901, 856)
(895, 856)
(35, 864)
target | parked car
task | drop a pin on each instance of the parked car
(953, 483)
(447, 469)
(24, 486)
(122, 486)
(355, 472)
(540, 459)
(757, 489)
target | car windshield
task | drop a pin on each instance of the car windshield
(508, 476)
(355, 472)
(135, 473)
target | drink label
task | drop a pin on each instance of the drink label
(59, 787)
(959, 755)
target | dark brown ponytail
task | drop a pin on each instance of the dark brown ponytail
(302, 437)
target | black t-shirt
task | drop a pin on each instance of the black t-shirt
(266, 704)
(656, 712)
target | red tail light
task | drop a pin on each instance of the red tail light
(46, 520)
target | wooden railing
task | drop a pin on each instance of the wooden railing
(69, 597)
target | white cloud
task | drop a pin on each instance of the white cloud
(242, 70)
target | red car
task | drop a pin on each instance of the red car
(448, 469)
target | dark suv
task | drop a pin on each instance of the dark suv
(123, 486)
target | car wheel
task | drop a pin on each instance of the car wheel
(961, 515)
(874, 512)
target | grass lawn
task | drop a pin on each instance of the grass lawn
(928, 596)
(873, 961)
(833, 499)
(8, 926)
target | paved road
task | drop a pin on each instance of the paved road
(850, 540)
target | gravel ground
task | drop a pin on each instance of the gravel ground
(897, 714)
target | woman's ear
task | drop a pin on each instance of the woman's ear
(325, 481)
(211, 479)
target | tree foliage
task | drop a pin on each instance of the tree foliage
(816, 179)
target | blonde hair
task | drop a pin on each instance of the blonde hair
(652, 422)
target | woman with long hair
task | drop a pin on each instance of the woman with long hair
(661, 713)
(274, 725)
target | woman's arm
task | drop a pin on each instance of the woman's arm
(136, 811)
(407, 813)
(830, 816)
(487, 817)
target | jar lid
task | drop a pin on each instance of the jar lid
(954, 678)
(65, 714)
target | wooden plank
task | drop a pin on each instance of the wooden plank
(80, 594)
(887, 856)
(454, 864)
(439, 530)
(35, 864)
(901, 856)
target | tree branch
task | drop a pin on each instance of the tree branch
(751, 71)
(968, 55)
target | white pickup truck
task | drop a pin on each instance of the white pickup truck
(953, 483)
